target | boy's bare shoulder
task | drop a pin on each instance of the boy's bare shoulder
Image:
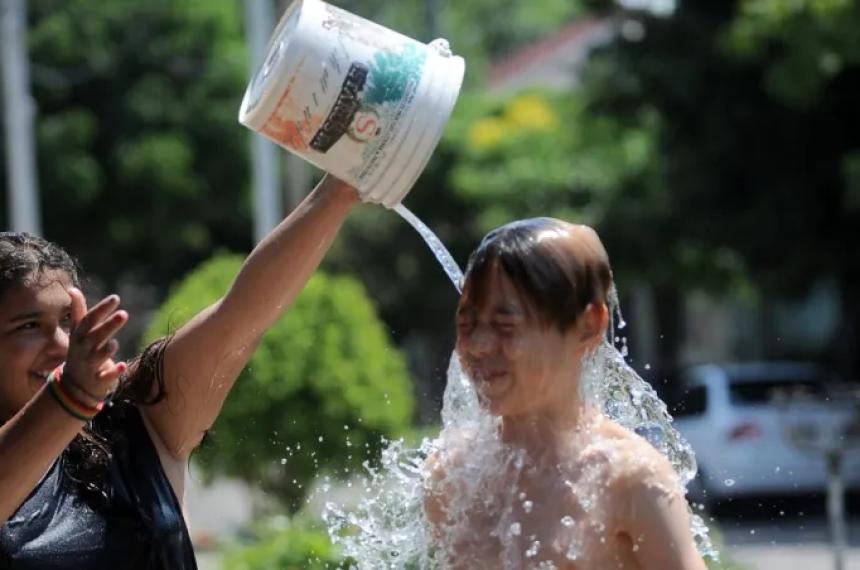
(630, 459)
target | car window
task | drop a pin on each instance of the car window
(763, 391)
(688, 402)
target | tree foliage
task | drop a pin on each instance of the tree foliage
(299, 546)
(136, 130)
(323, 388)
(755, 112)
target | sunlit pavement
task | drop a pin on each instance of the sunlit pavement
(783, 534)
(208, 561)
(800, 547)
(786, 557)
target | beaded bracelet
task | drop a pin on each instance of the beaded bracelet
(67, 401)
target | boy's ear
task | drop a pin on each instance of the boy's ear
(594, 319)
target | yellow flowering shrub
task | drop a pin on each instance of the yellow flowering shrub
(524, 114)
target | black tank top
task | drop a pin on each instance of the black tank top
(139, 526)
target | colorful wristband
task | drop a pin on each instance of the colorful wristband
(67, 401)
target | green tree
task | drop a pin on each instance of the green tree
(322, 390)
(141, 162)
(298, 546)
(481, 31)
(755, 113)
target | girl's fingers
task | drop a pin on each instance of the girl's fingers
(95, 315)
(112, 373)
(79, 305)
(105, 352)
(105, 330)
(99, 312)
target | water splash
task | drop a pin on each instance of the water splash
(446, 260)
(390, 530)
(625, 398)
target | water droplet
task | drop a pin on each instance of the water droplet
(567, 521)
(283, 460)
(729, 482)
(647, 367)
(533, 549)
(527, 506)
(515, 529)
(635, 548)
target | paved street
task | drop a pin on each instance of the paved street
(782, 534)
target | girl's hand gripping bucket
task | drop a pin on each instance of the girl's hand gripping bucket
(354, 98)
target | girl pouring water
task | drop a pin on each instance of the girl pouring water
(94, 452)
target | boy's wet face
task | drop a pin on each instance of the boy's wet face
(518, 364)
(35, 320)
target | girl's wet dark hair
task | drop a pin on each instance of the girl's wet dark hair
(24, 258)
(557, 278)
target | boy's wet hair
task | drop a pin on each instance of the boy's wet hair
(556, 278)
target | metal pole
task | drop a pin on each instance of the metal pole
(298, 178)
(431, 18)
(836, 507)
(268, 208)
(22, 190)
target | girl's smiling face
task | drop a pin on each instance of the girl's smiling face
(35, 320)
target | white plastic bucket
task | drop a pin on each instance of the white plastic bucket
(352, 97)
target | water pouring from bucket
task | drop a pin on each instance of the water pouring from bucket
(354, 98)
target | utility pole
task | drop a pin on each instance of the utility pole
(268, 208)
(431, 18)
(22, 191)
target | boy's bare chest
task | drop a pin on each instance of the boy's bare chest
(537, 521)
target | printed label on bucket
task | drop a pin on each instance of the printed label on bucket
(342, 114)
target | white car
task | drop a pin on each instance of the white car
(732, 417)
